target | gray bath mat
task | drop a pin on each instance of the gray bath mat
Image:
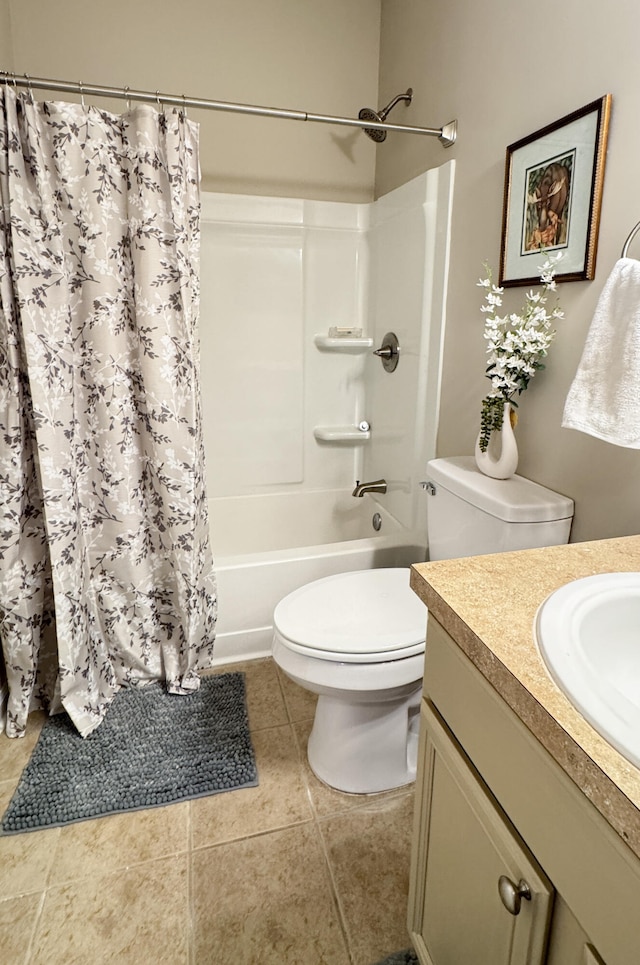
(152, 748)
(405, 957)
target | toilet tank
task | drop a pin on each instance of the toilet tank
(470, 514)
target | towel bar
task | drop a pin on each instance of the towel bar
(632, 235)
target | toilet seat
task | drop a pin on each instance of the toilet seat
(365, 616)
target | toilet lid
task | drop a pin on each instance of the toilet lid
(367, 612)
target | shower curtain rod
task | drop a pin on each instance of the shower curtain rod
(446, 134)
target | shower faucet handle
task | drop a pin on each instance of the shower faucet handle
(389, 352)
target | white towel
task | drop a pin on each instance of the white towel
(604, 398)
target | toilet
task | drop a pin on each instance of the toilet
(357, 639)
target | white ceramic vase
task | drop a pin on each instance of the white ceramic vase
(501, 458)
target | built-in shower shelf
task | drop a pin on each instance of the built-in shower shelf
(351, 435)
(346, 344)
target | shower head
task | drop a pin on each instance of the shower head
(379, 117)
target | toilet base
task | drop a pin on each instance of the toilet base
(366, 747)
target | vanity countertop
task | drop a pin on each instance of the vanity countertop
(488, 605)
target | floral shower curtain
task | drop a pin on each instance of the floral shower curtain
(106, 575)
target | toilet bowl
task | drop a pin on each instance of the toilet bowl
(357, 639)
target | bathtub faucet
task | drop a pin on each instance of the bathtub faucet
(379, 486)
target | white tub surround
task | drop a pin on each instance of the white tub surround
(296, 408)
(275, 273)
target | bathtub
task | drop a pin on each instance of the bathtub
(266, 546)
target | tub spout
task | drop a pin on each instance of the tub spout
(379, 486)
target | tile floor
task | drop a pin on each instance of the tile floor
(290, 871)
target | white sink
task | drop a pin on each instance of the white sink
(588, 634)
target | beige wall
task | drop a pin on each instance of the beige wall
(506, 69)
(6, 54)
(297, 54)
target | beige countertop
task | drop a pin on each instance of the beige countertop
(488, 605)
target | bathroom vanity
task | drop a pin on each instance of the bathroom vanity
(527, 826)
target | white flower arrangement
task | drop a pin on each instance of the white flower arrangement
(516, 345)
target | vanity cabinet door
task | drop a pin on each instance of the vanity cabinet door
(463, 845)
(568, 942)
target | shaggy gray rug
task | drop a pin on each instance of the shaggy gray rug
(405, 957)
(152, 748)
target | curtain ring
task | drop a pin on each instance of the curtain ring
(159, 103)
(125, 91)
(30, 88)
(184, 106)
(81, 93)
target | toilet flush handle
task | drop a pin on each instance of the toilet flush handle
(428, 487)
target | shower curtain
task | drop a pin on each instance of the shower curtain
(106, 574)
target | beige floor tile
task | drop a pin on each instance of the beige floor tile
(16, 751)
(134, 916)
(280, 799)
(264, 696)
(25, 859)
(369, 851)
(300, 703)
(17, 922)
(117, 887)
(266, 901)
(92, 848)
(326, 800)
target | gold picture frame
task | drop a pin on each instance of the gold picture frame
(553, 195)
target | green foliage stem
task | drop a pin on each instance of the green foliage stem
(491, 418)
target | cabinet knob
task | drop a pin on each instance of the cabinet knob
(511, 895)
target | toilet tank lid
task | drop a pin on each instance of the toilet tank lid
(514, 500)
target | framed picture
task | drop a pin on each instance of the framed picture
(552, 197)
